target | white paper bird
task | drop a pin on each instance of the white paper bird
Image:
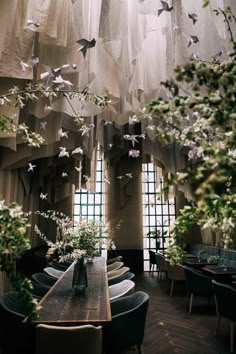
(78, 169)
(63, 134)
(129, 175)
(64, 174)
(142, 136)
(63, 152)
(43, 196)
(133, 120)
(43, 125)
(134, 153)
(131, 138)
(78, 150)
(31, 167)
(32, 22)
(47, 109)
(24, 65)
(120, 177)
(60, 81)
(85, 177)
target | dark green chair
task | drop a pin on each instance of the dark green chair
(59, 265)
(152, 261)
(128, 322)
(13, 311)
(43, 279)
(197, 284)
(39, 290)
(127, 275)
(225, 296)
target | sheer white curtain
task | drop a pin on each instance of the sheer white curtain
(135, 50)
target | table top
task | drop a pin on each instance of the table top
(61, 305)
(218, 270)
(195, 262)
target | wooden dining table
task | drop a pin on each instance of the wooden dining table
(220, 273)
(63, 306)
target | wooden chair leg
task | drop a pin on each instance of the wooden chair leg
(190, 303)
(217, 325)
(231, 336)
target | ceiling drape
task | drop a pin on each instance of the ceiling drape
(137, 47)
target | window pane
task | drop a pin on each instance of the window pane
(156, 213)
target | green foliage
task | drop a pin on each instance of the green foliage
(33, 93)
(13, 243)
(204, 123)
(74, 241)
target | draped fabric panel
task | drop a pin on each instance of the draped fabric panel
(135, 50)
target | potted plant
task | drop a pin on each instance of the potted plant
(156, 234)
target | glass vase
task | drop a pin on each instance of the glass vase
(80, 278)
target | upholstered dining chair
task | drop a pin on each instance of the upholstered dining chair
(152, 261)
(39, 290)
(59, 265)
(198, 284)
(85, 339)
(53, 272)
(161, 266)
(128, 323)
(126, 275)
(225, 296)
(44, 279)
(121, 289)
(114, 259)
(116, 273)
(15, 336)
(174, 273)
(114, 266)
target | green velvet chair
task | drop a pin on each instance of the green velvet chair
(15, 337)
(127, 275)
(43, 279)
(225, 296)
(152, 261)
(128, 323)
(197, 284)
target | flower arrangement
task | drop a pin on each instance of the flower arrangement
(84, 239)
(13, 243)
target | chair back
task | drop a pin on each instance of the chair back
(152, 257)
(114, 259)
(126, 275)
(121, 289)
(13, 303)
(44, 279)
(114, 266)
(161, 262)
(13, 311)
(225, 300)
(115, 273)
(39, 290)
(86, 339)
(59, 265)
(128, 321)
(196, 282)
(175, 272)
(53, 272)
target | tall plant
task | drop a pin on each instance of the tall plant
(204, 122)
(13, 243)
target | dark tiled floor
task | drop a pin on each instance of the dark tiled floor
(169, 327)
